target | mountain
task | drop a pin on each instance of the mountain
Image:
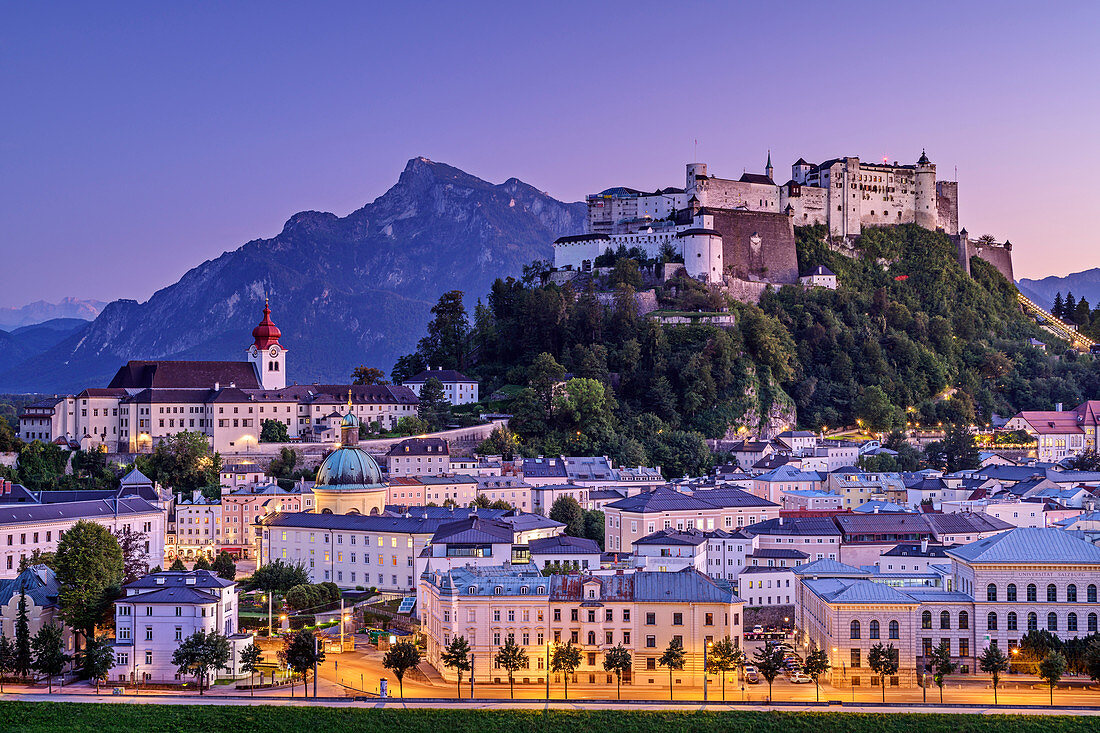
(41, 311)
(28, 341)
(344, 291)
(1042, 291)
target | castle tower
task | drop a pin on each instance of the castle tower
(702, 250)
(696, 184)
(266, 354)
(768, 170)
(924, 205)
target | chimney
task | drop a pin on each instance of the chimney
(924, 546)
(876, 509)
(1057, 406)
(217, 386)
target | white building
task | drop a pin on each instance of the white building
(819, 277)
(457, 387)
(159, 611)
(1061, 433)
(198, 526)
(419, 457)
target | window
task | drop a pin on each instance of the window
(1052, 621)
(1071, 622)
(574, 614)
(708, 619)
(1090, 594)
(1011, 626)
(651, 619)
(677, 619)
(651, 641)
(964, 647)
(1092, 622)
(1052, 593)
(991, 593)
(1071, 593)
(1011, 593)
(964, 620)
(1032, 622)
(991, 622)
(926, 620)
(945, 620)
(895, 630)
(592, 638)
(1032, 596)
(872, 631)
(854, 632)
(855, 658)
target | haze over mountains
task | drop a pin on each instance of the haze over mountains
(1042, 291)
(41, 311)
(344, 291)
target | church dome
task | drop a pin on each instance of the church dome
(349, 421)
(266, 333)
(349, 469)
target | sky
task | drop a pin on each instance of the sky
(139, 139)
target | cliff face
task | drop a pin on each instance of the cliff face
(345, 291)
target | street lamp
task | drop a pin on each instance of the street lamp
(706, 648)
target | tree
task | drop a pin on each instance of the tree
(37, 557)
(956, 452)
(769, 660)
(368, 375)
(282, 465)
(301, 653)
(594, 526)
(993, 661)
(183, 461)
(434, 409)
(625, 273)
(617, 659)
(99, 658)
(22, 660)
(1070, 307)
(724, 657)
(274, 431)
(1092, 659)
(816, 664)
(48, 646)
(565, 659)
(1088, 460)
(250, 662)
(7, 659)
(89, 570)
(1051, 670)
(501, 442)
(566, 510)
(883, 661)
(201, 654)
(402, 656)
(673, 658)
(1035, 646)
(544, 376)
(201, 563)
(448, 336)
(224, 567)
(177, 566)
(1058, 308)
(278, 576)
(941, 665)
(511, 657)
(875, 409)
(135, 554)
(456, 655)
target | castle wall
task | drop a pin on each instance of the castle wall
(947, 206)
(746, 291)
(809, 204)
(998, 256)
(757, 244)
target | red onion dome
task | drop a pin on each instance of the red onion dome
(267, 333)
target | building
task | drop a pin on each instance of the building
(228, 401)
(994, 591)
(25, 528)
(457, 387)
(159, 611)
(39, 585)
(634, 517)
(562, 552)
(641, 610)
(819, 277)
(812, 500)
(670, 550)
(857, 487)
(1061, 433)
(419, 457)
(198, 527)
(245, 506)
(349, 481)
(771, 485)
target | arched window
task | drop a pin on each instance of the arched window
(1092, 622)
(1032, 596)
(991, 621)
(1071, 593)
(1071, 622)
(1052, 621)
(498, 590)
(895, 630)
(1032, 622)
(855, 630)
(964, 620)
(1090, 594)
(1011, 620)
(872, 632)
(926, 620)
(1052, 593)
(945, 620)
(592, 638)
(991, 593)
(1010, 592)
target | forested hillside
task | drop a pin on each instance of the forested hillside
(908, 337)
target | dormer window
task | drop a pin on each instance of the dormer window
(498, 590)
(472, 590)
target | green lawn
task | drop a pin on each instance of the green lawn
(70, 717)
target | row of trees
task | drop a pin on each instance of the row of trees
(1077, 311)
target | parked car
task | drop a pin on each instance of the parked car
(800, 678)
(752, 675)
(758, 629)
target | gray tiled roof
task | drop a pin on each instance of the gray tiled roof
(563, 545)
(174, 594)
(1029, 545)
(199, 578)
(838, 591)
(474, 530)
(827, 567)
(19, 513)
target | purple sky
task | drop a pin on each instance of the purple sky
(137, 140)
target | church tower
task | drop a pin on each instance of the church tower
(768, 170)
(266, 354)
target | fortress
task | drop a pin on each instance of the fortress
(741, 232)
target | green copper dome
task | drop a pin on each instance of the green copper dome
(349, 469)
(350, 421)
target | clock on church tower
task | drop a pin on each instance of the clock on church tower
(266, 354)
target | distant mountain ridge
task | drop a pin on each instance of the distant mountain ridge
(344, 290)
(40, 311)
(1085, 283)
